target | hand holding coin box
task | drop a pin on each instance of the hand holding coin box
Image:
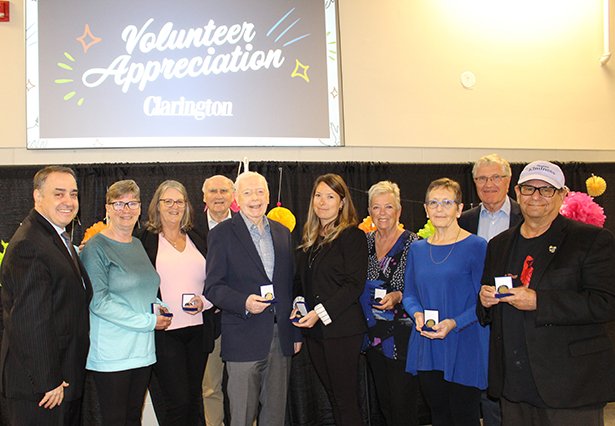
(187, 305)
(301, 311)
(431, 319)
(379, 294)
(267, 293)
(503, 286)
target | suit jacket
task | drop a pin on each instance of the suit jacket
(469, 218)
(150, 244)
(338, 273)
(234, 271)
(201, 226)
(46, 318)
(571, 356)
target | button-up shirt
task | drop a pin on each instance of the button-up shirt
(212, 223)
(263, 243)
(491, 224)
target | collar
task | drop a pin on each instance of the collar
(504, 209)
(252, 225)
(59, 230)
(212, 222)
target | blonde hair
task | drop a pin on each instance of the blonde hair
(346, 218)
(154, 224)
(384, 187)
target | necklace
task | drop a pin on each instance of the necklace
(312, 255)
(449, 253)
(173, 243)
(384, 244)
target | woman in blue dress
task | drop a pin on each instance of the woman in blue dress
(449, 350)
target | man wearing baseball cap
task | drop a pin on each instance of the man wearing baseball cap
(550, 359)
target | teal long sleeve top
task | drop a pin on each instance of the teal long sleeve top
(122, 324)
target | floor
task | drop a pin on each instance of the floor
(609, 414)
(149, 419)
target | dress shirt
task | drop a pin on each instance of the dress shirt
(491, 224)
(211, 222)
(263, 243)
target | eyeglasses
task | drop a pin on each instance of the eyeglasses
(545, 191)
(481, 180)
(118, 206)
(445, 204)
(169, 202)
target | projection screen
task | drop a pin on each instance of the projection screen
(137, 73)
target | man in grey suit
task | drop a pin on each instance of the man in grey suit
(496, 213)
(250, 277)
(218, 194)
(45, 298)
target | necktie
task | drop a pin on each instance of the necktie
(71, 249)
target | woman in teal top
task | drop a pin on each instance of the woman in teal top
(122, 324)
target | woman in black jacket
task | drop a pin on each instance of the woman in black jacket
(331, 273)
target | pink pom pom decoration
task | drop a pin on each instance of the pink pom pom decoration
(581, 207)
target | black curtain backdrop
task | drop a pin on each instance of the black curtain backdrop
(308, 405)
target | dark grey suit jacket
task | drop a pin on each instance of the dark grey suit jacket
(46, 317)
(469, 218)
(571, 356)
(234, 271)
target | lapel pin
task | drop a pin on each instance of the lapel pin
(552, 249)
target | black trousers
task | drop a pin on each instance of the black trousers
(121, 395)
(22, 412)
(181, 360)
(336, 362)
(520, 413)
(451, 404)
(397, 391)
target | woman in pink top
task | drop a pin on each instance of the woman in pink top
(178, 254)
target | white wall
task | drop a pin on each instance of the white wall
(540, 91)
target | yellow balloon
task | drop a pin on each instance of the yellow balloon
(595, 186)
(284, 216)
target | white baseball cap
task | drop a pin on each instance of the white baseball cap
(545, 171)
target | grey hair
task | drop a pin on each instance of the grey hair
(488, 160)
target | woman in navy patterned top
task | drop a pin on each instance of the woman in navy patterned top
(389, 325)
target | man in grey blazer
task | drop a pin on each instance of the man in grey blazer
(45, 298)
(250, 277)
(218, 194)
(496, 213)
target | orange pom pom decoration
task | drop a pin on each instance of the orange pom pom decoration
(367, 225)
(93, 230)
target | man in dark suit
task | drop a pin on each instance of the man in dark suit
(218, 194)
(45, 298)
(496, 213)
(550, 359)
(250, 277)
